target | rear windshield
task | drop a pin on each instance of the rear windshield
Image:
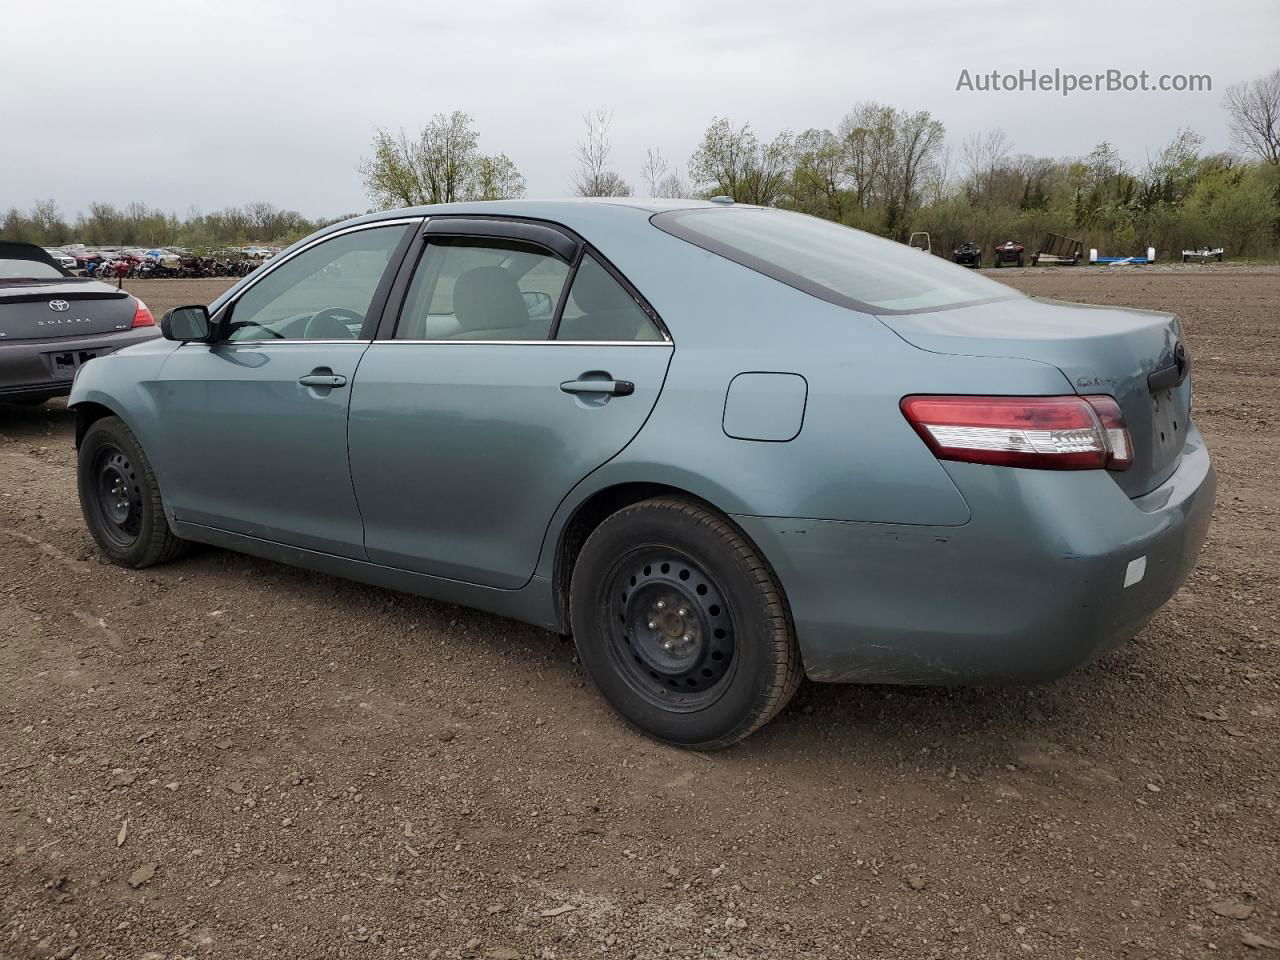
(28, 270)
(833, 262)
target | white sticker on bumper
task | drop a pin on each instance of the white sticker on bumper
(1136, 570)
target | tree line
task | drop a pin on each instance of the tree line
(138, 225)
(880, 168)
(893, 172)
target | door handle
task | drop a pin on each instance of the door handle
(613, 388)
(323, 380)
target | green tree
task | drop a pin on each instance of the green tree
(732, 161)
(442, 164)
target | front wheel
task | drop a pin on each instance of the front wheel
(120, 498)
(681, 625)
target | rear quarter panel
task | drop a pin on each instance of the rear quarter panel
(855, 458)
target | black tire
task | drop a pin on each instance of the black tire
(120, 498)
(719, 661)
(999, 263)
(1019, 259)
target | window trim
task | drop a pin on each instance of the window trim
(564, 247)
(367, 332)
(399, 293)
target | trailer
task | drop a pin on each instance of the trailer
(1123, 261)
(1204, 255)
(1056, 249)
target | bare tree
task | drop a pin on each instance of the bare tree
(867, 133)
(919, 139)
(654, 169)
(673, 186)
(593, 178)
(937, 184)
(1254, 107)
(985, 154)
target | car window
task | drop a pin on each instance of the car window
(831, 261)
(322, 293)
(600, 308)
(482, 289)
(28, 270)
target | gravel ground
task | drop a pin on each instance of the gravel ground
(229, 758)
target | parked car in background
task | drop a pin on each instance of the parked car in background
(968, 255)
(724, 446)
(52, 323)
(63, 259)
(1011, 251)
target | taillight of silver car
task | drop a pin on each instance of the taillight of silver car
(142, 315)
(1044, 433)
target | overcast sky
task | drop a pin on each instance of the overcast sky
(186, 104)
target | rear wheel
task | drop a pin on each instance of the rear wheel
(120, 498)
(681, 626)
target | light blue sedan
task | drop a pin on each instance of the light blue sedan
(724, 446)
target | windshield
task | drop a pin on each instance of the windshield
(28, 270)
(832, 262)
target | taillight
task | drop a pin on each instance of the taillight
(1119, 443)
(142, 316)
(1045, 433)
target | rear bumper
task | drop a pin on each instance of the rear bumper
(47, 367)
(1053, 569)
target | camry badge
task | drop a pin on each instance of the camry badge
(61, 306)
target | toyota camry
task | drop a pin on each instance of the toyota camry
(725, 447)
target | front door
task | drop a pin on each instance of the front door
(257, 422)
(496, 394)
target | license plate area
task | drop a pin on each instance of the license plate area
(1168, 425)
(63, 364)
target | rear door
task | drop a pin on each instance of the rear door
(516, 364)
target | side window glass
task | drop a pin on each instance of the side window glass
(321, 294)
(480, 289)
(600, 308)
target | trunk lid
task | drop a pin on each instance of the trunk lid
(1135, 356)
(49, 309)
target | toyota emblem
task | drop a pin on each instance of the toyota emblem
(60, 306)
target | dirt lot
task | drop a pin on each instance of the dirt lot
(229, 758)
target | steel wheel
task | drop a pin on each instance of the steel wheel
(680, 624)
(118, 496)
(672, 631)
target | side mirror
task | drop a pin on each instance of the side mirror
(187, 324)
